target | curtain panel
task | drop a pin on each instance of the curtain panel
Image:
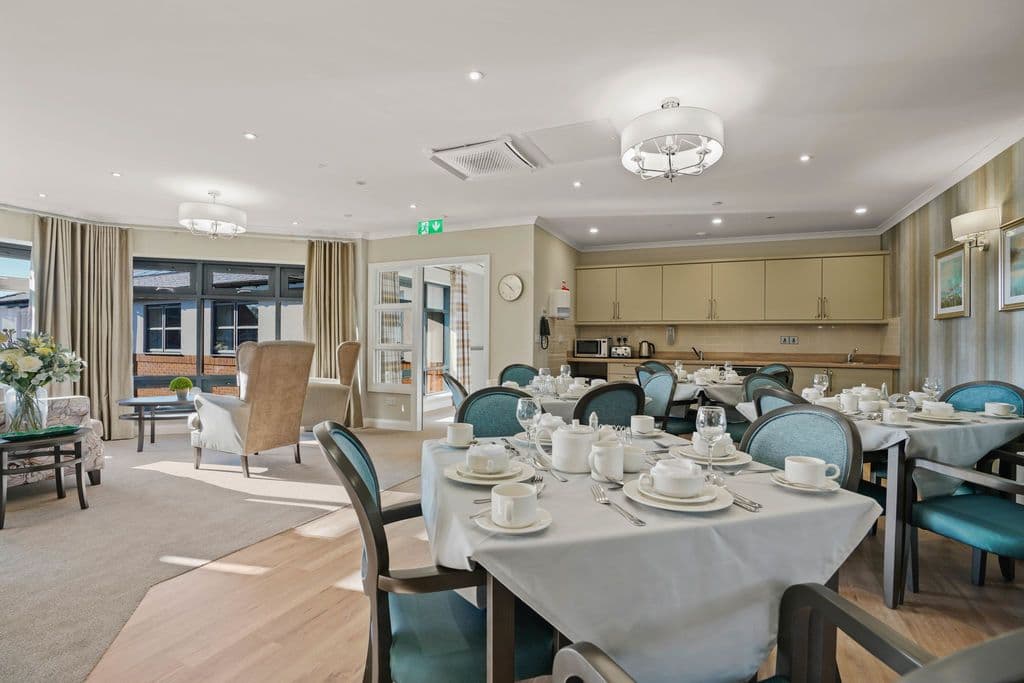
(460, 325)
(329, 311)
(83, 297)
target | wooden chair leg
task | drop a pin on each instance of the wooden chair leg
(198, 453)
(298, 454)
(245, 466)
(979, 558)
(1006, 567)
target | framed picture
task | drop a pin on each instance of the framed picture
(1011, 266)
(953, 283)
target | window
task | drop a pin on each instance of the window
(163, 278)
(163, 328)
(15, 311)
(293, 282)
(233, 323)
(221, 280)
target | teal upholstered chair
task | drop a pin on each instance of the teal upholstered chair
(519, 373)
(972, 396)
(614, 403)
(780, 371)
(492, 411)
(458, 391)
(659, 390)
(767, 399)
(806, 430)
(759, 380)
(645, 370)
(421, 630)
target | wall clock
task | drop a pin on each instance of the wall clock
(510, 287)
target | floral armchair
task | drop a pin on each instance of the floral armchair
(67, 410)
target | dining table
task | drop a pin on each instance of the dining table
(686, 393)
(687, 597)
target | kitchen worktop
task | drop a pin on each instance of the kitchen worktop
(806, 360)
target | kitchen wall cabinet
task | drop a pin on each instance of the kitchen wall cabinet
(686, 292)
(595, 295)
(852, 287)
(737, 290)
(792, 289)
(628, 294)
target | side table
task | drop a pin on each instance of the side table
(12, 453)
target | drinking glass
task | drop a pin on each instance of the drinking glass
(528, 414)
(565, 370)
(711, 427)
(680, 370)
(820, 382)
(931, 386)
(727, 366)
(544, 372)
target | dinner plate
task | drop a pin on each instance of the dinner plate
(938, 418)
(452, 472)
(521, 439)
(513, 469)
(1000, 417)
(653, 434)
(543, 522)
(779, 479)
(723, 499)
(460, 446)
(706, 495)
(738, 459)
(898, 425)
(689, 452)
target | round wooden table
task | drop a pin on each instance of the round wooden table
(158, 408)
(13, 451)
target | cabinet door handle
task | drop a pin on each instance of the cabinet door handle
(818, 314)
(824, 307)
(709, 309)
(714, 309)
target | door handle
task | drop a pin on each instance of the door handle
(714, 309)
(709, 309)
(824, 307)
(818, 314)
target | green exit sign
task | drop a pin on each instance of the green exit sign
(431, 227)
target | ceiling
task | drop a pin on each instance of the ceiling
(889, 98)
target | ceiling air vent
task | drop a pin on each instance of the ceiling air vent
(489, 159)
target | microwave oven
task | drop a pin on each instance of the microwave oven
(592, 348)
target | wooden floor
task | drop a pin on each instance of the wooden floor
(290, 608)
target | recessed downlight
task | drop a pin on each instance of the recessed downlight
(115, 174)
(42, 195)
(593, 230)
(475, 75)
(295, 222)
(577, 184)
(805, 158)
(716, 221)
(249, 135)
(701, 233)
(412, 206)
(861, 210)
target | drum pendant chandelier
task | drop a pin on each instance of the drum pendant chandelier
(211, 219)
(672, 141)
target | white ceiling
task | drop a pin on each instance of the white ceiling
(890, 98)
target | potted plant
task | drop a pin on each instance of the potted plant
(180, 386)
(27, 366)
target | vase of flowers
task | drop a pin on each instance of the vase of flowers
(27, 366)
(181, 386)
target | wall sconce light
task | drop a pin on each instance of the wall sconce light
(970, 228)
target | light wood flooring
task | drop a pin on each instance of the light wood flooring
(290, 608)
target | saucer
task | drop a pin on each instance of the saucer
(543, 522)
(460, 446)
(513, 469)
(653, 434)
(524, 474)
(737, 459)
(831, 486)
(688, 451)
(1011, 416)
(849, 412)
(954, 419)
(706, 495)
(723, 499)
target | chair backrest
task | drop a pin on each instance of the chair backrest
(348, 356)
(243, 359)
(767, 399)
(492, 411)
(520, 373)
(459, 392)
(656, 366)
(659, 389)
(643, 373)
(275, 389)
(759, 380)
(994, 661)
(779, 370)
(806, 430)
(614, 403)
(584, 662)
(972, 396)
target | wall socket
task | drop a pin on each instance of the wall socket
(789, 340)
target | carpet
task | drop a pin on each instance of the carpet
(70, 578)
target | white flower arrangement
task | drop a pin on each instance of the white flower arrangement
(28, 363)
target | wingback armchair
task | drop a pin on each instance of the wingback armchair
(328, 398)
(267, 412)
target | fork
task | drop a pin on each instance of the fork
(540, 466)
(601, 497)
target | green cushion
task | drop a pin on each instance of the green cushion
(439, 637)
(981, 521)
(737, 430)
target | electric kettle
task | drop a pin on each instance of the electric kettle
(646, 349)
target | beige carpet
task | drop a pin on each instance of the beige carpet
(70, 578)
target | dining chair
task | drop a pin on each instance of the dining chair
(614, 402)
(659, 390)
(759, 380)
(458, 391)
(983, 516)
(767, 399)
(972, 396)
(806, 430)
(421, 630)
(492, 411)
(779, 370)
(519, 373)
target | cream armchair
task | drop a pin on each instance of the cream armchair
(267, 412)
(327, 398)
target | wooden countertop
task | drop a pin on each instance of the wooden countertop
(805, 360)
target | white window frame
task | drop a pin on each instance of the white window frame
(410, 310)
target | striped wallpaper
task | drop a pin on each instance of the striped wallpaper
(989, 344)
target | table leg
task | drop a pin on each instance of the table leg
(140, 413)
(79, 478)
(894, 532)
(501, 632)
(58, 473)
(3, 487)
(152, 426)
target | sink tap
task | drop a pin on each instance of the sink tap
(851, 354)
(698, 352)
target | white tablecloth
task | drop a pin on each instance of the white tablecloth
(689, 597)
(961, 445)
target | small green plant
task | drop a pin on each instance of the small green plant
(180, 384)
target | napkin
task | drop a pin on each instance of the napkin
(489, 450)
(549, 421)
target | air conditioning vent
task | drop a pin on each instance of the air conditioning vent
(489, 159)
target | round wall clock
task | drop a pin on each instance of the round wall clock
(510, 287)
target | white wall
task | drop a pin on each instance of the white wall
(553, 262)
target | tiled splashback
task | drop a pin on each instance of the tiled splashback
(870, 339)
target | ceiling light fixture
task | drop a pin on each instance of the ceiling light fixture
(475, 75)
(42, 195)
(861, 210)
(577, 184)
(701, 233)
(970, 228)
(716, 221)
(672, 141)
(805, 158)
(211, 219)
(594, 231)
(115, 174)
(412, 206)
(249, 135)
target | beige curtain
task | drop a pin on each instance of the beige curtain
(460, 324)
(329, 311)
(83, 296)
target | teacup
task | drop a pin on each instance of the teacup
(633, 458)
(937, 408)
(641, 424)
(997, 408)
(896, 416)
(606, 460)
(514, 506)
(676, 478)
(579, 381)
(723, 447)
(869, 405)
(803, 469)
(597, 382)
(459, 433)
(849, 401)
(490, 458)
(829, 402)
(810, 394)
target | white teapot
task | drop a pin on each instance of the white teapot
(570, 447)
